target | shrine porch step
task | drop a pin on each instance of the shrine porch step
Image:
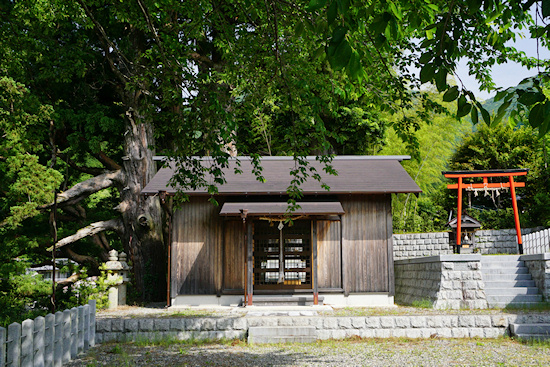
(531, 331)
(282, 334)
(284, 300)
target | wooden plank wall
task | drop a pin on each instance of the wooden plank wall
(365, 243)
(204, 247)
(328, 255)
(197, 248)
(234, 256)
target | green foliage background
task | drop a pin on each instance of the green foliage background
(277, 77)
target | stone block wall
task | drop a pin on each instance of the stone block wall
(539, 268)
(448, 281)
(326, 327)
(499, 241)
(412, 245)
(125, 330)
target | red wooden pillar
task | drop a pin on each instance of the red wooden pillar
(459, 214)
(516, 214)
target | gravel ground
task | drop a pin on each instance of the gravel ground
(352, 352)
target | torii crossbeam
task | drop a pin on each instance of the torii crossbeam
(511, 184)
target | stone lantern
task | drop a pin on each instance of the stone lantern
(117, 274)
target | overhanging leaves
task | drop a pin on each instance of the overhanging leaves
(463, 107)
(451, 94)
(530, 98)
(316, 4)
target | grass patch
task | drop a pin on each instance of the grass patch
(402, 310)
(117, 349)
(425, 308)
(190, 312)
(541, 306)
(423, 303)
(163, 341)
(538, 343)
(123, 356)
(362, 311)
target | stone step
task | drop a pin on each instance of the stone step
(500, 283)
(485, 258)
(530, 331)
(522, 305)
(522, 270)
(506, 277)
(533, 336)
(281, 300)
(516, 300)
(510, 291)
(539, 329)
(508, 282)
(502, 264)
(282, 334)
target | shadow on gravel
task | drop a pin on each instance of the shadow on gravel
(182, 355)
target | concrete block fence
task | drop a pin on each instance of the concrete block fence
(444, 326)
(501, 241)
(49, 341)
(448, 281)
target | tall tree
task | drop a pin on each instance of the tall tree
(169, 75)
(184, 75)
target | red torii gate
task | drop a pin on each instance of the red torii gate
(510, 173)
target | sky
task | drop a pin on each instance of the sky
(505, 75)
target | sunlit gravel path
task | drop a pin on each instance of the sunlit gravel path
(354, 352)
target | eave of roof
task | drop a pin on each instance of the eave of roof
(280, 208)
(465, 222)
(356, 175)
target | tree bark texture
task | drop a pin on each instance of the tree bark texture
(140, 224)
(142, 215)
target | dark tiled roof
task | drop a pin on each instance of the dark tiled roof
(356, 175)
(280, 208)
(465, 222)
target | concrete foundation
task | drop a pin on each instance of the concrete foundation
(332, 299)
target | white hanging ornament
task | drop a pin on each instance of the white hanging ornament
(281, 226)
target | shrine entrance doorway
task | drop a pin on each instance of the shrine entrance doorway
(282, 256)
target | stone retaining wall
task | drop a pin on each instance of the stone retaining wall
(445, 326)
(412, 245)
(539, 268)
(448, 281)
(499, 241)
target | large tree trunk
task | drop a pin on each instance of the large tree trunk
(142, 215)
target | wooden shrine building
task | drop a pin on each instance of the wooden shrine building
(338, 249)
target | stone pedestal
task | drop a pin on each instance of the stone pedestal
(117, 274)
